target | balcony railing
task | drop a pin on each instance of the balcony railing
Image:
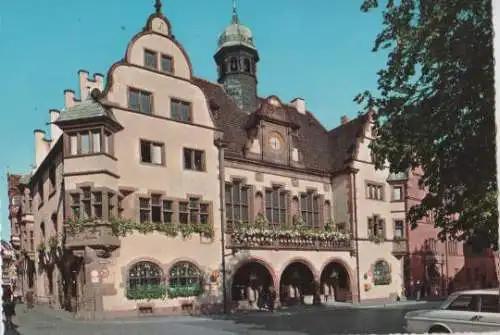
(255, 238)
(400, 247)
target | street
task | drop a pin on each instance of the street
(310, 321)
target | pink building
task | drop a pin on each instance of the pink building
(438, 266)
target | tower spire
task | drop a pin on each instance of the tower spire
(235, 14)
(158, 6)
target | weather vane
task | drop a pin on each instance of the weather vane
(235, 13)
(158, 6)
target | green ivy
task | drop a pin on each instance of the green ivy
(124, 227)
(382, 280)
(150, 292)
(147, 292)
(41, 247)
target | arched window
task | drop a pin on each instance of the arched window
(247, 66)
(185, 280)
(381, 273)
(234, 64)
(145, 281)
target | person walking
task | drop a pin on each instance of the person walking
(9, 307)
(272, 298)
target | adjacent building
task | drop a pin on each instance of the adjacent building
(158, 191)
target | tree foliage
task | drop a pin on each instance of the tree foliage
(435, 109)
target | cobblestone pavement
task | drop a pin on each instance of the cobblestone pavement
(303, 321)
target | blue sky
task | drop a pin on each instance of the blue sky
(319, 50)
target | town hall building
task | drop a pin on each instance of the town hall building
(160, 192)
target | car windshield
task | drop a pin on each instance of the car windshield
(447, 302)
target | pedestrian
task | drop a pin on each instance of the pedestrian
(272, 298)
(9, 307)
(418, 290)
(261, 298)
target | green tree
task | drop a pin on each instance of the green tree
(435, 109)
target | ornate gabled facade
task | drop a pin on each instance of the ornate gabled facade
(153, 181)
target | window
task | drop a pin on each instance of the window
(151, 152)
(397, 193)
(86, 142)
(464, 302)
(374, 191)
(96, 141)
(381, 273)
(167, 64)
(399, 229)
(376, 227)
(87, 200)
(42, 230)
(236, 202)
(180, 110)
(194, 159)
(168, 211)
(140, 101)
(489, 303)
(309, 209)
(143, 275)
(73, 142)
(183, 212)
(185, 280)
(144, 210)
(247, 65)
(234, 64)
(276, 206)
(111, 205)
(75, 205)
(156, 210)
(453, 248)
(52, 178)
(198, 211)
(150, 59)
(97, 203)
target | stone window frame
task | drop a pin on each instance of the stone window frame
(281, 189)
(151, 144)
(141, 92)
(180, 101)
(379, 230)
(161, 278)
(175, 209)
(106, 139)
(243, 188)
(402, 195)
(108, 210)
(193, 151)
(382, 281)
(149, 52)
(41, 192)
(172, 63)
(369, 185)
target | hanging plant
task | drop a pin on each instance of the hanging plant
(124, 227)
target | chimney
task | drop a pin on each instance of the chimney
(99, 80)
(344, 119)
(69, 98)
(55, 131)
(83, 76)
(300, 105)
(40, 146)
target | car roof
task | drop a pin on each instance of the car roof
(480, 291)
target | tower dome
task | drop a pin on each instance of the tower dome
(237, 59)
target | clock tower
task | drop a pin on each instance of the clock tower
(237, 59)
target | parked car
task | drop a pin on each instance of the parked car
(466, 311)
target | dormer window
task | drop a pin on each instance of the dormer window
(150, 59)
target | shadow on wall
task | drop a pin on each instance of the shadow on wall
(467, 270)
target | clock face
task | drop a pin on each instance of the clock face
(275, 143)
